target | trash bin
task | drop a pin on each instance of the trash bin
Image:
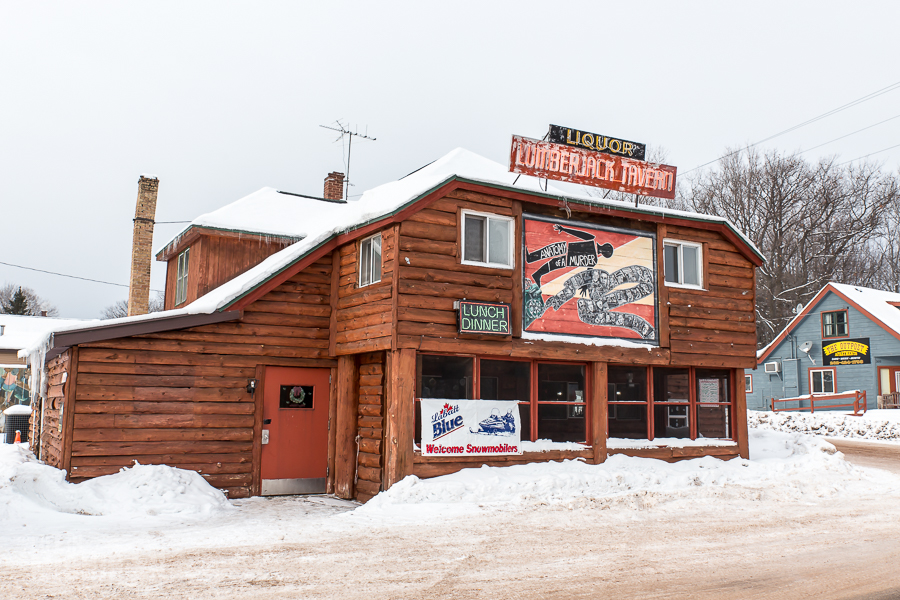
(18, 418)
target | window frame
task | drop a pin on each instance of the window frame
(182, 269)
(680, 244)
(748, 383)
(511, 221)
(809, 376)
(359, 262)
(846, 323)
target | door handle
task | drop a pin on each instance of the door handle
(265, 436)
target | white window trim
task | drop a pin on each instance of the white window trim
(359, 252)
(462, 239)
(748, 379)
(680, 243)
(182, 268)
(833, 372)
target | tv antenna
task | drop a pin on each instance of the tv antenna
(345, 131)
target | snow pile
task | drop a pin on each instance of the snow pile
(785, 467)
(29, 487)
(875, 425)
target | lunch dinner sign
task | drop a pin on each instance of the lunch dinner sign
(470, 427)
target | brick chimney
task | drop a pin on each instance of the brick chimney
(141, 246)
(334, 186)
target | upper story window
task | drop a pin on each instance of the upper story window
(181, 277)
(683, 263)
(487, 239)
(370, 260)
(835, 324)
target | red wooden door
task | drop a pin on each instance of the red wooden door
(295, 430)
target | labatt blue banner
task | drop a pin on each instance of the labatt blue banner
(470, 427)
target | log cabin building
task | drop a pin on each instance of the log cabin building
(300, 334)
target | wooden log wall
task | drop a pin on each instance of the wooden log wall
(370, 423)
(714, 327)
(51, 437)
(215, 259)
(364, 316)
(179, 397)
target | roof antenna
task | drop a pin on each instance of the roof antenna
(345, 131)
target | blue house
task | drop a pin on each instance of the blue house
(847, 338)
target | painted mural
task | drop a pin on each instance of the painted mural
(588, 280)
(14, 387)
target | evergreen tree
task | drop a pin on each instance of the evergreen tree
(17, 304)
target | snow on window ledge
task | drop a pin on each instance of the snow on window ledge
(629, 444)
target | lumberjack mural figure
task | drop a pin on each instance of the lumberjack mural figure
(599, 292)
(568, 254)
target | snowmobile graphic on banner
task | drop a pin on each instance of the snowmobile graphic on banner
(470, 427)
(589, 280)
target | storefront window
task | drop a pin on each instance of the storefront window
(671, 401)
(508, 380)
(448, 377)
(713, 403)
(627, 402)
(562, 411)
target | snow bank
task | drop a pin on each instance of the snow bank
(785, 467)
(881, 425)
(31, 488)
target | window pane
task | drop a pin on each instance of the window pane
(691, 257)
(671, 421)
(376, 259)
(714, 421)
(560, 383)
(627, 420)
(713, 385)
(627, 384)
(828, 382)
(505, 380)
(561, 422)
(365, 261)
(498, 239)
(474, 242)
(525, 416)
(671, 385)
(670, 254)
(748, 383)
(444, 377)
(817, 382)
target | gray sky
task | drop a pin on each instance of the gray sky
(220, 99)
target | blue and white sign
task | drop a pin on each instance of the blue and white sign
(470, 427)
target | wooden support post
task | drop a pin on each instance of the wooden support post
(599, 377)
(740, 414)
(335, 285)
(662, 290)
(69, 413)
(515, 313)
(400, 382)
(345, 427)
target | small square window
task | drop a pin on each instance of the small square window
(821, 381)
(683, 263)
(181, 277)
(748, 384)
(835, 324)
(370, 260)
(487, 239)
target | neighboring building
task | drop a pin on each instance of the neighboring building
(846, 338)
(302, 333)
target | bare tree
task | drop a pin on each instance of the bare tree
(120, 308)
(21, 300)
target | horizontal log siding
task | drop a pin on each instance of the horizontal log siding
(364, 314)
(51, 438)
(715, 327)
(179, 397)
(370, 424)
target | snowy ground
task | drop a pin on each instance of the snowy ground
(875, 425)
(702, 528)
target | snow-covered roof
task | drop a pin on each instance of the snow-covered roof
(21, 332)
(879, 304)
(315, 222)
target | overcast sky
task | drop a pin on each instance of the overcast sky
(220, 99)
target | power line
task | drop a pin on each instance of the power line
(849, 134)
(868, 155)
(69, 276)
(867, 97)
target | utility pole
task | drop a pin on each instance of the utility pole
(345, 131)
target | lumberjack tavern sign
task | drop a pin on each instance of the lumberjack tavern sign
(590, 280)
(483, 317)
(595, 141)
(470, 427)
(588, 167)
(846, 352)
